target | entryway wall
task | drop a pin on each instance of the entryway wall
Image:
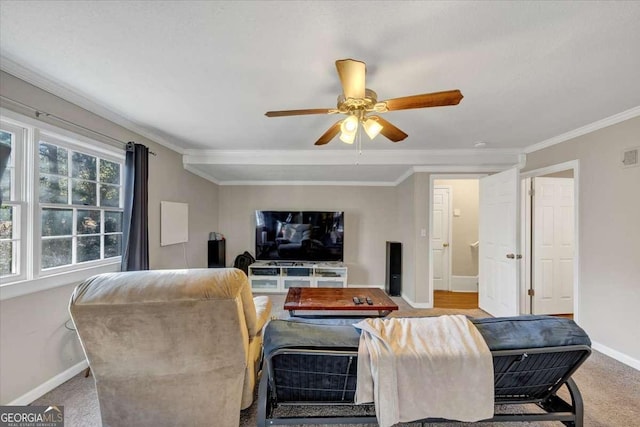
(464, 233)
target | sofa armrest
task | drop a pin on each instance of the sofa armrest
(263, 311)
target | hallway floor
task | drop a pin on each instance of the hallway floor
(447, 299)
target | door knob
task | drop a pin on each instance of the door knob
(511, 256)
(445, 245)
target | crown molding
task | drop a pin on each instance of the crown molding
(592, 127)
(201, 174)
(430, 161)
(310, 183)
(450, 158)
(70, 95)
(405, 176)
(472, 171)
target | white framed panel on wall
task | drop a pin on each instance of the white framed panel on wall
(174, 223)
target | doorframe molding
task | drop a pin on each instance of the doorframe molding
(432, 179)
(575, 166)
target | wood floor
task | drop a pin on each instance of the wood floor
(446, 299)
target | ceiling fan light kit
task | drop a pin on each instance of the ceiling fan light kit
(357, 102)
(372, 127)
(348, 129)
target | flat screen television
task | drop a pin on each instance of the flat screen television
(299, 236)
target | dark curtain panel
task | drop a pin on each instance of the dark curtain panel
(135, 227)
(5, 151)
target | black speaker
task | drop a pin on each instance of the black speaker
(216, 254)
(393, 277)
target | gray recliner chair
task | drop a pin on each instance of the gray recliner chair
(171, 347)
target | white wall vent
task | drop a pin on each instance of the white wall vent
(630, 157)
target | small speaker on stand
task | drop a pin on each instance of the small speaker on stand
(216, 253)
(393, 276)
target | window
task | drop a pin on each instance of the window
(62, 202)
(11, 210)
(80, 206)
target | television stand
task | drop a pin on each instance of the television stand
(279, 276)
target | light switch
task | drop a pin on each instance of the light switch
(423, 232)
(456, 212)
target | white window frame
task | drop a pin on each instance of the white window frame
(32, 278)
(19, 200)
(71, 145)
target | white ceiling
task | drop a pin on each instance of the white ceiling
(201, 75)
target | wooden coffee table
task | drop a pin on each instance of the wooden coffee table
(338, 299)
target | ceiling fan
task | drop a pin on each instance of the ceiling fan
(361, 106)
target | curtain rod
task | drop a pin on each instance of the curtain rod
(38, 113)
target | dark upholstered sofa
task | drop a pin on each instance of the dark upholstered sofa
(314, 362)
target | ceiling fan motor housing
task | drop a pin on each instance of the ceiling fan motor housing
(350, 105)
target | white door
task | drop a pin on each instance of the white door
(498, 270)
(553, 245)
(440, 238)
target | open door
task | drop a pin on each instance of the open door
(553, 235)
(498, 234)
(440, 247)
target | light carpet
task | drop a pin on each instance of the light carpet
(610, 389)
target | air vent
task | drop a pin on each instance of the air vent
(630, 157)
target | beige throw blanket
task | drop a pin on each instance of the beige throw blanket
(416, 368)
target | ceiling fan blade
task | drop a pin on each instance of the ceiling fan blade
(389, 130)
(352, 76)
(329, 134)
(436, 99)
(299, 112)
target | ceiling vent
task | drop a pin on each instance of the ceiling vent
(630, 157)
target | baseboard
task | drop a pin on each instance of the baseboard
(354, 285)
(416, 304)
(49, 385)
(615, 354)
(464, 283)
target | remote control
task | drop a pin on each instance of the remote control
(369, 301)
(357, 301)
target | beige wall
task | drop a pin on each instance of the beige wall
(609, 233)
(464, 228)
(405, 224)
(422, 245)
(370, 220)
(35, 345)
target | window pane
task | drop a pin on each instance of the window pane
(109, 172)
(83, 166)
(56, 252)
(53, 159)
(88, 248)
(57, 222)
(6, 258)
(6, 222)
(88, 222)
(53, 189)
(112, 245)
(5, 185)
(110, 196)
(83, 193)
(112, 222)
(5, 139)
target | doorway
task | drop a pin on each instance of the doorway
(549, 281)
(454, 241)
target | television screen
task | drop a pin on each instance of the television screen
(299, 236)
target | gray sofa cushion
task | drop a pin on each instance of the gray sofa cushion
(501, 333)
(507, 333)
